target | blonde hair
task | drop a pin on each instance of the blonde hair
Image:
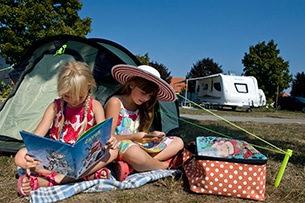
(76, 78)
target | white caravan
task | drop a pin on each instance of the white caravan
(229, 90)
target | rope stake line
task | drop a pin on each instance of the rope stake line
(7, 68)
(218, 133)
(236, 126)
(276, 149)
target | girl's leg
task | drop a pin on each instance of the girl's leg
(19, 158)
(48, 178)
(171, 150)
(21, 162)
(141, 160)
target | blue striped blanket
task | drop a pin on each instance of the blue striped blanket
(60, 192)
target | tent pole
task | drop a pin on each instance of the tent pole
(186, 86)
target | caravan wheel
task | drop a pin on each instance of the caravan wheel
(249, 110)
(303, 109)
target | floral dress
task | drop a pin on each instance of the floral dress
(128, 123)
(74, 119)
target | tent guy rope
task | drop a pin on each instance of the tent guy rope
(276, 149)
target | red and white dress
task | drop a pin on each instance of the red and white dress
(74, 119)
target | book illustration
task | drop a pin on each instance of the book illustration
(95, 152)
(57, 162)
(70, 160)
(226, 148)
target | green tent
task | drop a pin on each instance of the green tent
(35, 81)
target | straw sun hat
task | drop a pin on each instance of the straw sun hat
(123, 72)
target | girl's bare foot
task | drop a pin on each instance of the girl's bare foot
(27, 183)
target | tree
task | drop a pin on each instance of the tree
(143, 59)
(22, 22)
(202, 68)
(164, 73)
(298, 85)
(270, 70)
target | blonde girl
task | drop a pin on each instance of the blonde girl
(68, 117)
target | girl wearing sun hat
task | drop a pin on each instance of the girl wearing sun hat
(132, 110)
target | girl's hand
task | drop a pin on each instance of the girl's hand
(30, 163)
(158, 134)
(155, 136)
(112, 143)
(138, 137)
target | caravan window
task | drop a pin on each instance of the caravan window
(217, 86)
(241, 87)
(205, 87)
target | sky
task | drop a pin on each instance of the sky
(179, 33)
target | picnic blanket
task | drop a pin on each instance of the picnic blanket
(60, 192)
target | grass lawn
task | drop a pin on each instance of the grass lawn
(175, 189)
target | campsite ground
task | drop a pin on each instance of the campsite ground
(175, 189)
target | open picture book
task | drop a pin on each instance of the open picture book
(70, 160)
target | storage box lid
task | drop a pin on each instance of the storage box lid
(225, 149)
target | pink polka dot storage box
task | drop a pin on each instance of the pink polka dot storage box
(228, 167)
